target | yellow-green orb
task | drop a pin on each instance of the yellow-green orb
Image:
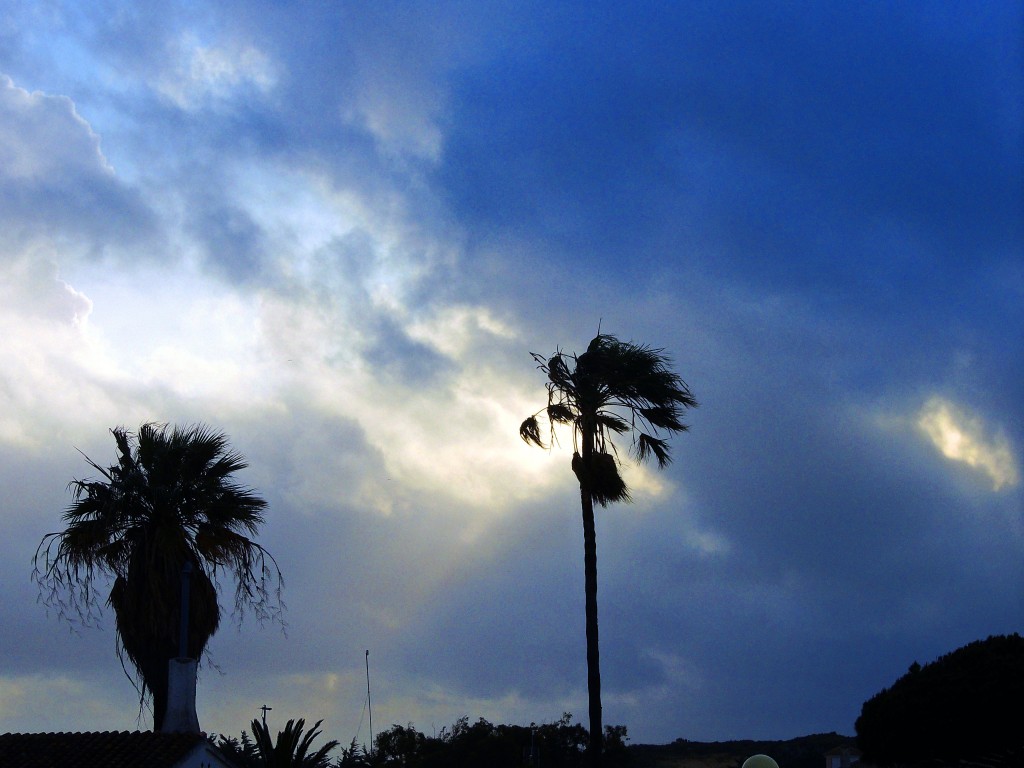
(759, 761)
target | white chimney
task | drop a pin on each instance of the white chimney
(181, 714)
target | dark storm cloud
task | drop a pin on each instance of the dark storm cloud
(820, 144)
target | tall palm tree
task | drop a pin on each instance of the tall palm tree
(169, 500)
(613, 388)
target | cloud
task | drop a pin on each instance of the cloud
(694, 162)
(465, 396)
(43, 139)
(33, 288)
(202, 76)
(55, 182)
(961, 436)
(47, 345)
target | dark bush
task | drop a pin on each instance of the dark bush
(965, 704)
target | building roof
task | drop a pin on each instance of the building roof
(107, 749)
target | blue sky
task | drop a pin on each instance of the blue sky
(337, 230)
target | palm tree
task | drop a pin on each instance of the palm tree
(292, 747)
(168, 501)
(615, 387)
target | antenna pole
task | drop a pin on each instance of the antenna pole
(369, 703)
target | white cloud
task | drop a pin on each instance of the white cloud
(398, 93)
(32, 287)
(456, 436)
(48, 361)
(56, 185)
(228, 707)
(962, 436)
(402, 121)
(201, 76)
(43, 138)
(452, 330)
(429, 705)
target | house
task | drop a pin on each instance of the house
(842, 757)
(110, 749)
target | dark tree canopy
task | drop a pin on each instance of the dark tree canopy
(614, 388)
(169, 500)
(965, 704)
(561, 744)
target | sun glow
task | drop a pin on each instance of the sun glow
(960, 436)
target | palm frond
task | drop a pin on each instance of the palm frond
(613, 388)
(647, 445)
(529, 431)
(292, 747)
(557, 369)
(261, 740)
(601, 478)
(606, 420)
(560, 413)
(665, 416)
(318, 758)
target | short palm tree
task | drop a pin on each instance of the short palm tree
(169, 500)
(292, 748)
(613, 388)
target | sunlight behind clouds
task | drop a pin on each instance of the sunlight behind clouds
(459, 439)
(452, 330)
(961, 436)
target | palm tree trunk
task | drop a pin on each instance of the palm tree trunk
(590, 587)
(158, 684)
(593, 653)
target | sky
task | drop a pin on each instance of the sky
(337, 230)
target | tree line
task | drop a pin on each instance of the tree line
(561, 744)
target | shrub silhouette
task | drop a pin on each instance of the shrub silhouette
(962, 705)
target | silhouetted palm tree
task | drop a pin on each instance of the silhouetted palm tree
(615, 387)
(169, 500)
(292, 747)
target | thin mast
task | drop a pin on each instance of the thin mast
(369, 703)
